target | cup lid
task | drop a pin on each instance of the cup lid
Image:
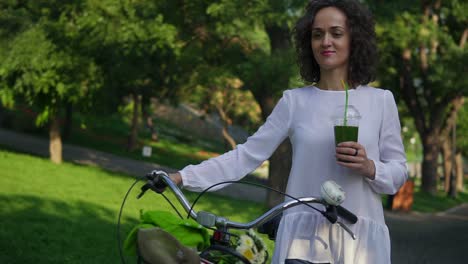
(351, 114)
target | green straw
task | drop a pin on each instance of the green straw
(345, 86)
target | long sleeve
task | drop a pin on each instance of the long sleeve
(390, 170)
(245, 158)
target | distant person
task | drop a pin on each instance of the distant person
(335, 42)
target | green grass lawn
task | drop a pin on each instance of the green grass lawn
(68, 213)
(426, 203)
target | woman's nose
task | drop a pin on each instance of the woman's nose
(326, 41)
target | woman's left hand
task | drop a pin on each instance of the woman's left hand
(353, 155)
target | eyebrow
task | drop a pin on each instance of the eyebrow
(334, 27)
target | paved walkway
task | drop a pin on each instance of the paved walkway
(416, 238)
(429, 238)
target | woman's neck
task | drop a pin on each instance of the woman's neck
(332, 80)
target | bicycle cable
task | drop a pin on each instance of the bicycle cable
(248, 183)
(226, 182)
(172, 205)
(120, 216)
(194, 203)
(118, 221)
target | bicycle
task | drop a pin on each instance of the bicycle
(332, 197)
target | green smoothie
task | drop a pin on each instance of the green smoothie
(346, 133)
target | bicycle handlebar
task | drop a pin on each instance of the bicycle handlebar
(347, 215)
(158, 180)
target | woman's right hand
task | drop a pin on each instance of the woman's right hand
(176, 178)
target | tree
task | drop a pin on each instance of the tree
(221, 92)
(424, 54)
(41, 65)
(268, 65)
(136, 48)
(449, 149)
(462, 146)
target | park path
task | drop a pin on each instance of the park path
(416, 238)
(419, 238)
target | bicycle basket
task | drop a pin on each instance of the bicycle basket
(158, 246)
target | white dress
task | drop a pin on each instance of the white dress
(305, 116)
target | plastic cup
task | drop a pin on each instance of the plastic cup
(346, 131)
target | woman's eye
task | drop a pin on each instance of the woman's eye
(337, 34)
(316, 35)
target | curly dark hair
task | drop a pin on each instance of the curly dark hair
(363, 48)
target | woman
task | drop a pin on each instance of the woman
(335, 41)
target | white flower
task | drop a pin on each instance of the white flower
(246, 241)
(252, 247)
(247, 253)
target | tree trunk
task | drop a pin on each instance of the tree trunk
(228, 138)
(133, 137)
(447, 164)
(452, 192)
(459, 171)
(55, 142)
(226, 121)
(67, 126)
(429, 166)
(147, 117)
(279, 37)
(280, 161)
(280, 166)
(428, 127)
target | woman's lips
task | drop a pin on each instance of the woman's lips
(327, 52)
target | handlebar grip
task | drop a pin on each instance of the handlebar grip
(159, 184)
(156, 181)
(345, 214)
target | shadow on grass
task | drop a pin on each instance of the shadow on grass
(35, 230)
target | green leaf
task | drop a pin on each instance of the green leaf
(43, 117)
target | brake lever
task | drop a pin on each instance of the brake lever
(154, 183)
(332, 216)
(144, 188)
(347, 229)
